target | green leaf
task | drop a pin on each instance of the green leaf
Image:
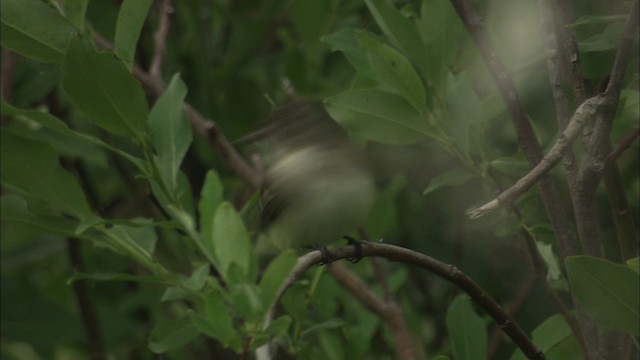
(400, 31)
(634, 264)
(137, 242)
(33, 167)
(326, 325)
(131, 18)
(393, 70)
(464, 111)
(230, 239)
(14, 210)
(35, 30)
(63, 131)
(449, 178)
(198, 277)
(467, 330)
(247, 302)
(441, 29)
(218, 318)
(170, 131)
(349, 42)
(104, 90)
(210, 199)
(75, 11)
(555, 339)
(607, 291)
(379, 116)
(277, 271)
(172, 335)
(603, 41)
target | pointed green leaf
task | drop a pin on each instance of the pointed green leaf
(467, 330)
(230, 239)
(131, 18)
(210, 199)
(75, 11)
(35, 30)
(218, 322)
(170, 131)
(104, 90)
(379, 116)
(607, 291)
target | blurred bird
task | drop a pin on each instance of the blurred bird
(317, 186)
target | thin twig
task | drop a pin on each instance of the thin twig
(160, 37)
(445, 271)
(583, 114)
(625, 144)
(624, 52)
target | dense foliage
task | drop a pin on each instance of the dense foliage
(128, 220)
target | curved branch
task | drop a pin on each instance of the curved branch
(443, 270)
(583, 114)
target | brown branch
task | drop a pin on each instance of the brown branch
(86, 304)
(495, 338)
(160, 37)
(445, 271)
(624, 52)
(203, 127)
(570, 52)
(526, 136)
(583, 114)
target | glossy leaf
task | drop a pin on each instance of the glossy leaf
(104, 90)
(467, 330)
(379, 116)
(607, 291)
(170, 131)
(131, 19)
(34, 30)
(33, 167)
